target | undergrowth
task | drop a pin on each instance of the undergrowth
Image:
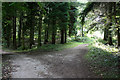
(103, 60)
(57, 47)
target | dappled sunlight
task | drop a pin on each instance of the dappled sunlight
(97, 34)
(106, 48)
(102, 60)
(59, 35)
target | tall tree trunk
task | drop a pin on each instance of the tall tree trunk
(19, 31)
(54, 32)
(31, 30)
(46, 36)
(110, 24)
(82, 26)
(23, 36)
(82, 31)
(31, 38)
(105, 34)
(65, 35)
(53, 37)
(62, 36)
(110, 35)
(39, 32)
(32, 22)
(118, 36)
(118, 28)
(70, 30)
(14, 33)
(8, 33)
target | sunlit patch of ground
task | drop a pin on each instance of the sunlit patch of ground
(103, 60)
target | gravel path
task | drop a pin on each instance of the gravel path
(68, 63)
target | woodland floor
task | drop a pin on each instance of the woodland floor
(68, 63)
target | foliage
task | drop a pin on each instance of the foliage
(86, 40)
(49, 47)
(26, 25)
(103, 60)
(58, 47)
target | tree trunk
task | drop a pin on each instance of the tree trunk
(23, 37)
(70, 30)
(105, 34)
(32, 22)
(54, 32)
(46, 36)
(19, 32)
(118, 28)
(39, 32)
(8, 33)
(110, 24)
(62, 36)
(53, 37)
(118, 35)
(82, 31)
(110, 35)
(31, 30)
(65, 36)
(14, 32)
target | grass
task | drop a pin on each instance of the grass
(56, 47)
(103, 60)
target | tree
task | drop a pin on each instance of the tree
(31, 18)
(39, 31)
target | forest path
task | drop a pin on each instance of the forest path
(68, 63)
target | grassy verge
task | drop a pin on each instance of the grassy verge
(103, 60)
(57, 47)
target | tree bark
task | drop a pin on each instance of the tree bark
(14, 32)
(110, 35)
(46, 36)
(110, 24)
(118, 28)
(82, 26)
(39, 32)
(19, 31)
(118, 35)
(105, 34)
(23, 37)
(31, 23)
(65, 35)
(82, 31)
(8, 35)
(54, 32)
(31, 31)
(62, 36)
(70, 30)
(53, 37)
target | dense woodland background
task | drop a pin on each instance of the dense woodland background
(26, 25)
(38, 25)
(33, 24)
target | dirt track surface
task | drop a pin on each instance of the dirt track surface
(68, 63)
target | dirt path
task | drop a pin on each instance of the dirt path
(67, 63)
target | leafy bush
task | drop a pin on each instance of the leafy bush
(102, 41)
